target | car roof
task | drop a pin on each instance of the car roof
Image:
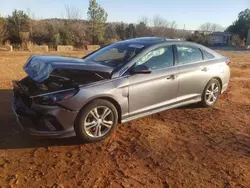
(151, 41)
(148, 41)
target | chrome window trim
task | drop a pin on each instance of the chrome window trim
(125, 68)
(203, 50)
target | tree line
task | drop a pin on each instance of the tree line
(20, 29)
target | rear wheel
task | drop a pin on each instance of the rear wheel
(211, 93)
(96, 121)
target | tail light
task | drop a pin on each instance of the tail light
(228, 62)
(52, 99)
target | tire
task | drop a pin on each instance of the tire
(96, 121)
(213, 96)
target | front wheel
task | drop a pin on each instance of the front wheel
(96, 121)
(211, 93)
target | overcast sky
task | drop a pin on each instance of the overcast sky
(192, 13)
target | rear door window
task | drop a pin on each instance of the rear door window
(207, 55)
(188, 54)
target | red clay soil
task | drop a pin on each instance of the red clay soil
(188, 147)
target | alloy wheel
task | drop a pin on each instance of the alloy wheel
(212, 93)
(99, 121)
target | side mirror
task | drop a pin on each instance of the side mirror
(141, 69)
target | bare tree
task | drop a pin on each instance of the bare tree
(142, 30)
(74, 27)
(173, 25)
(208, 27)
(158, 22)
(24, 36)
(110, 33)
(144, 20)
(171, 31)
(72, 12)
(160, 26)
(182, 33)
(217, 27)
(56, 24)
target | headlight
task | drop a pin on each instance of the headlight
(52, 99)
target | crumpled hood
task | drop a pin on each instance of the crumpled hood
(40, 67)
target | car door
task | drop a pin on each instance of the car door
(157, 89)
(194, 72)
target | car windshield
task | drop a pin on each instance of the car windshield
(115, 55)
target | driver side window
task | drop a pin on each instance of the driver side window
(158, 58)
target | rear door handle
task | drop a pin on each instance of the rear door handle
(204, 69)
(171, 77)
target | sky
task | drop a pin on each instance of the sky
(191, 13)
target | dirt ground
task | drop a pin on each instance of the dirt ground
(189, 147)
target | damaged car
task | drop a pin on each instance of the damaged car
(86, 97)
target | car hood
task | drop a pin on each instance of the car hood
(40, 67)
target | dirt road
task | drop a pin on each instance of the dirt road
(188, 147)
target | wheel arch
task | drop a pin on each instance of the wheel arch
(219, 79)
(107, 98)
(216, 78)
(203, 103)
(116, 104)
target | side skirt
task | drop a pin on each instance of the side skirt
(176, 105)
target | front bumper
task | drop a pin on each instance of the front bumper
(43, 121)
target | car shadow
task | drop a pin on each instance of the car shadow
(191, 106)
(10, 138)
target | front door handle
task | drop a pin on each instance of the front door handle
(171, 77)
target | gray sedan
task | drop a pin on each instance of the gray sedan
(87, 97)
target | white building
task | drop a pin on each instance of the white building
(220, 39)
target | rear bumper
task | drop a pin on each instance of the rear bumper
(224, 87)
(43, 121)
(226, 79)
